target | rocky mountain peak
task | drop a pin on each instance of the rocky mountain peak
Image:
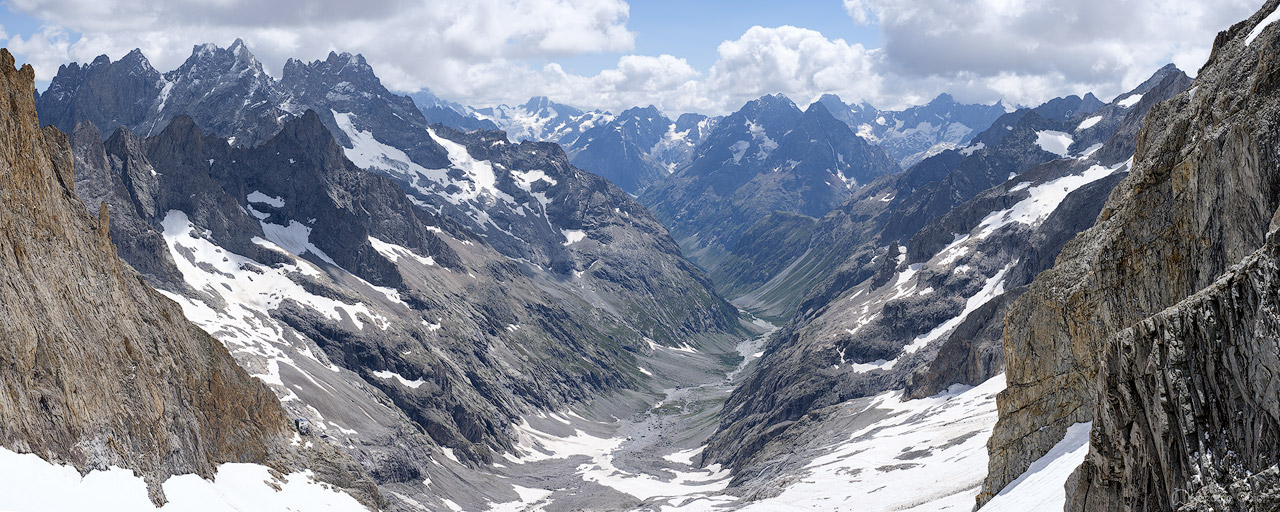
(345, 64)
(544, 106)
(308, 127)
(769, 105)
(135, 59)
(208, 61)
(239, 49)
(689, 122)
(943, 100)
(536, 103)
(649, 113)
(114, 85)
(830, 98)
(817, 109)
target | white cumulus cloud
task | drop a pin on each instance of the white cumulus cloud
(1038, 49)
(483, 52)
(414, 42)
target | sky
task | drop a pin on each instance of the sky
(707, 56)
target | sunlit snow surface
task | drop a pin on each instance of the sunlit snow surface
(248, 291)
(573, 236)
(1044, 199)
(474, 191)
(1054, 142)
(1262, 25)
(34, 485)
(1088, 123)
(1042, 486)
(599, 467)
(1130, 101)
(927, 454)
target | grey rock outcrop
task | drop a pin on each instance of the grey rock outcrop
(1089, 334)
(1190, 419)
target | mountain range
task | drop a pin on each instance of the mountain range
(354, 298)
(407, 294)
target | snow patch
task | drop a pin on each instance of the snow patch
(540, 446)
(1088, 123)
(32, 484)
(529, 497)
(394, 252)
(294, 238)
(1043, 200)
(1262, 25)
(739, 149)
(573, 236)
(1089, 151)
(259, 197)
(1042, 486)
(247, 291)
(1054, 142)
(1130, 101)
(388, 375)
(992, 289)
(926, 454)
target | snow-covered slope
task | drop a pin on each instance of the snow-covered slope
(916, 133)
(1043, 485)
(886, 453)
(542, 120)
(33, 485)
(639, 147)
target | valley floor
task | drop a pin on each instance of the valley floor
(875, 453)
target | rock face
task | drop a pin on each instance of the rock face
(805, 275)
(1179, 399)
(1188, 391)
(524, 200)
(226, 89)
(99, 369)
(892, 209)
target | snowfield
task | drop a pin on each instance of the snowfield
(33, 485)
(1088, 123)
(914, 455)
(1130, 101)
(1042, 487)
(1054, 142)
(927, 454)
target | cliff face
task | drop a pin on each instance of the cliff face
(1202, 196)
(98, 369)
(1191, 408)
